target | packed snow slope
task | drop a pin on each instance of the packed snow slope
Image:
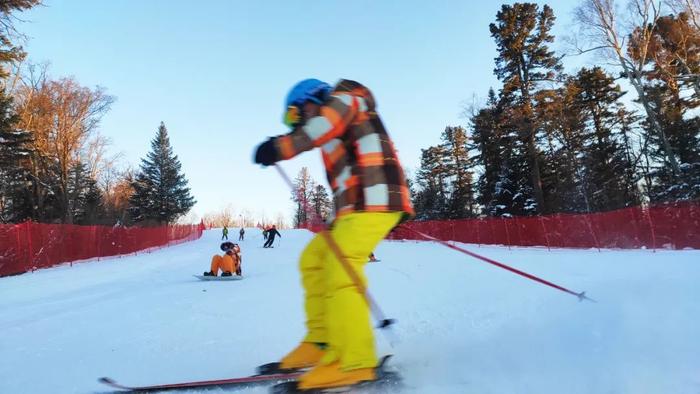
(463, 326)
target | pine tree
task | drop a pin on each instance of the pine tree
(504, 188)
(161, 194)
(9, 51)
(84, 197)
(320, 203)
(489, 141)
(605, 164)
(432, 198)
(673, 52)
(683, 135)
(455, 148)
(15, 204)
(522, 35)
(563, 129)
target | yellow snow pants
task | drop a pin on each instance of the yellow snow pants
(336, 312)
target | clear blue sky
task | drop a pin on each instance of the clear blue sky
(216, 73)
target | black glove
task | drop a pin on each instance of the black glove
(266, 153)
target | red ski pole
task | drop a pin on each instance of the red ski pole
(383, 321)
(581, 296)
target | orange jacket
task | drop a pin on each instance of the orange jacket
(361, 163)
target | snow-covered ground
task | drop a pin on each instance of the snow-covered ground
(463, 326)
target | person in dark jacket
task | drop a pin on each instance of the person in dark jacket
(271, 233)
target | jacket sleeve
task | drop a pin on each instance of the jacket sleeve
(335, 116)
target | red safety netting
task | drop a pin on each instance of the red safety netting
(29, 246)
(671, 226)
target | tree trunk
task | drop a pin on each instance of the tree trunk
(651, 115)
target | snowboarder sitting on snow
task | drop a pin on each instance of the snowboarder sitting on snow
(371, 197)
(271, 236)
(229, 263)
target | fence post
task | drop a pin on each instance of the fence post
(590, 228)
(28, 225)
(493, 232)
(544, 231)
(18, 228)
(96, 239)
(63, 249)
(651, 227)
(478, 233)
(505, 226)
(637, 233)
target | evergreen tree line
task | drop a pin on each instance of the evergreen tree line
(549, 142)
(53, 166)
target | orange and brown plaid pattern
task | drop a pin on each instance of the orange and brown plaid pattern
(361, 163)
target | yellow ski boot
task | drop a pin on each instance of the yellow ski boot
(331, 375)
(306, 355)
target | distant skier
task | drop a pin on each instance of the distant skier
(224, 233)
(229, 263)
(265, 233)
(371, 197)
(241, 234)
(372, 258)
(271, 233)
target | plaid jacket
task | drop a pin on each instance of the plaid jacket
(361, 163)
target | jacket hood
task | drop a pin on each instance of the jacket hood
(357, 89)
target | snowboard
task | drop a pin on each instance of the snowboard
(386, 380)
(220, 278)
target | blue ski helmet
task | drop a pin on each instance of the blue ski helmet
(308, 90)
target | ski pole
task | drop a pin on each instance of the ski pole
(581, 296)
(383, 321)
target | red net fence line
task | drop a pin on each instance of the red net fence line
(669, 226)
(29, 246)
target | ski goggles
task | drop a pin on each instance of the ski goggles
(292, 117)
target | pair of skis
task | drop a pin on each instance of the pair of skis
(285, 381)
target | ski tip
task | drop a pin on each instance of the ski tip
(106, 380)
